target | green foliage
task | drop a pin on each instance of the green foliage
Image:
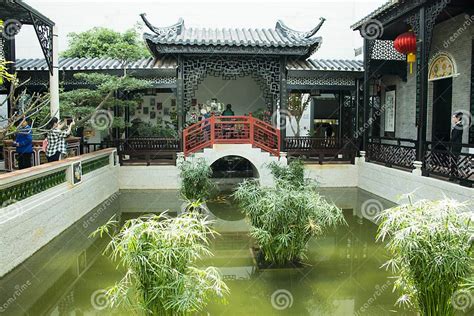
(149, 130)
(293, 174)
(103, 42)
(196, 183)
(431, 248)
(83, 103)
(285, 217)
(159, 254)
(297, 105)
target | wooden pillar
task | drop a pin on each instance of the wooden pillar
(10, 56)
(364, 128)
(283, 100)
(180, 99)
(422, 83)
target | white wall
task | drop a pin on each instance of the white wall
(243, 93)
(33, 222)
(392, 184)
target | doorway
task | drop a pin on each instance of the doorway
(442, 100)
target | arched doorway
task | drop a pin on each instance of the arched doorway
(441, 72)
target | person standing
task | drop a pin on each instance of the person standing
(456, 142)
(57, 139)
(228, 111)
(24, 144)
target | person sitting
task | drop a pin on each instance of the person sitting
(24, 144)
(228, 111)
(57, 139)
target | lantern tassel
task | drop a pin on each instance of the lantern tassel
(411, 58)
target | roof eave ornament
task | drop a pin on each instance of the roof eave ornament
(176, 28)
(281, 27)
(316, 29)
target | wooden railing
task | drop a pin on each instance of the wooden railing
(450, 160)
(231, 130)
(321, 149)
(398, 152)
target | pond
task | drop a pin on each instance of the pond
(342, 275)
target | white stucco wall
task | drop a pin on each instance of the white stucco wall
(33, 222)
(392, 184)
(243, 93)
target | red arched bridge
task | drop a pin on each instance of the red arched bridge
(231, 130)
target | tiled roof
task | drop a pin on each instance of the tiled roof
(231, 37)
(244, 38)
(169, 63)
(326, 65)
(95, 64)
(383, 8)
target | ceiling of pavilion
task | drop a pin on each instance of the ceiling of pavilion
(281, 40)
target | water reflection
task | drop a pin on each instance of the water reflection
(341, 277)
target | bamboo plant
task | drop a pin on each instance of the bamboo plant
(159, 254)
(196, 183)
(431, 248)
(284, 218)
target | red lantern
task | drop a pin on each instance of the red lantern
(406, 44)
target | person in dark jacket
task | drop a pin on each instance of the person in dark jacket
(456, 142)
(228, 111)
(24, 144)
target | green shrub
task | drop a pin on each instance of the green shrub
(292, 174)
(196, 183)
(284, 218)
(159, 254)
(431, 248)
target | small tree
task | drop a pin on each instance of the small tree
(431, 248)
(159, 254)
(196, 183)
(23, 106)
(92, 105)
(285, 217)
(107, 91)
(103, 42)
(297, 105)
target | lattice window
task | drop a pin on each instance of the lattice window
(266, 71)
(322, 81)
(383, 50)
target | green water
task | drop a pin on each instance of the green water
(342, 276)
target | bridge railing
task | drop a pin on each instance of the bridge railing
(231, 130)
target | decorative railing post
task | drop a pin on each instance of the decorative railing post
(251, 129)
(212, 121)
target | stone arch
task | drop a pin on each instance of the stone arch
(441, 66)
(258, 158)
(243, 160)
